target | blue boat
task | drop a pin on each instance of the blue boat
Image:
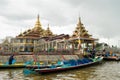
(68, 65)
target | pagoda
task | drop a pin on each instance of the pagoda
(36, 32)
(80, 31)
(81, 39)
(25, 42)
(48, 32)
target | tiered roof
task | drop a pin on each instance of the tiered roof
(48, 32)
(80, 31)
(36, 32)
(39, 32)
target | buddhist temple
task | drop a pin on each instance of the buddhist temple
(40, 40)
(36, 32)
(81, 38)
(25, 41)
(80, 30)
(65, 44)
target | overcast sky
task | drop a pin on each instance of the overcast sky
(100, 17)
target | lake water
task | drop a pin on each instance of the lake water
(108, 70)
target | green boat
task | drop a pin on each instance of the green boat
(7, 66)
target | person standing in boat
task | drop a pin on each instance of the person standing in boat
(104, 52)
(93, 53)
(11, 58)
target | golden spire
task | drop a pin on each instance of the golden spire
(48, 31)
(38, 24)
(48, 27)
(79, 22)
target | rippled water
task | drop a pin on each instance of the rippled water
(105, 71)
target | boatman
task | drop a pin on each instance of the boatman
(93, 53)
(11, 59)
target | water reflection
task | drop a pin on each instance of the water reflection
(109, 71)
(78, 74)
(104, 71)
(10, 74)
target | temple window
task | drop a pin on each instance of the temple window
(28, 41)
(21, 40)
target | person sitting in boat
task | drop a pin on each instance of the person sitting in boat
(11, 58)
(103, 53)
(107, 54)
(113, 54)
(93, 53)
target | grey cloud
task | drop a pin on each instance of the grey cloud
(74, 3)
(55, 12)
(3, 3)
(18, 20)
(19, 17)
(100, 16)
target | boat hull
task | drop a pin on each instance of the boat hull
(58, 69)
(111, 59)
(11, 66)
(36, 66)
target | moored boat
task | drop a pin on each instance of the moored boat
(16, 62)
(79, 44)
(112, 58)
(40, 66)
(67, 67)
(7, 66)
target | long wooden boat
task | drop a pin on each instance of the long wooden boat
(112, 58)
(64, 67)
(6, 66)
(40, 66)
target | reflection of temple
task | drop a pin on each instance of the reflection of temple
(24, 42)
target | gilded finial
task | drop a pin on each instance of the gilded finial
(38, 24)
(79, 20)
(48, 26)
(38, 17)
